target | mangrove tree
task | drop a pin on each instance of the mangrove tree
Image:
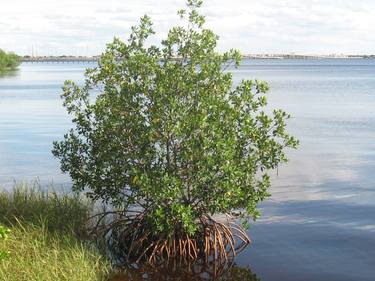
(163, 135)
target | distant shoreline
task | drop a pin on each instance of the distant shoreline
(294, 56)
(249, 56)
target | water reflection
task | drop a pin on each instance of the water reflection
(175, 271)
(8, 73)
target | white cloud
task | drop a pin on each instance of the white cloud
(253, 26)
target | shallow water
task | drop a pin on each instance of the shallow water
(319, 223)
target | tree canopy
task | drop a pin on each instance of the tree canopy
(8, 61)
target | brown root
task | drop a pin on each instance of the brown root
(127, 238)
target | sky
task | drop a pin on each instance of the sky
(83, 27)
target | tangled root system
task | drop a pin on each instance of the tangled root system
(128, 238)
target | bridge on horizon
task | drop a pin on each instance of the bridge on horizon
(56, 59)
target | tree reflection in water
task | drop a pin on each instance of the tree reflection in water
(8, 73)
(176, 271)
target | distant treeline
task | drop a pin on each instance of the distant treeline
(8, 61)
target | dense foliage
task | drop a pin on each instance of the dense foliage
(8, 61)
(165, 130)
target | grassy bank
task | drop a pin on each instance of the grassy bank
(61, 213)
(47, 238)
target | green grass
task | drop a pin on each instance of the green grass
(35, 254)
(62, 213)
(47, 238)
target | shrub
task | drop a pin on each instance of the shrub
(170, 135)
(8, 61)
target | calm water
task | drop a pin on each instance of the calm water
(320, 222)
